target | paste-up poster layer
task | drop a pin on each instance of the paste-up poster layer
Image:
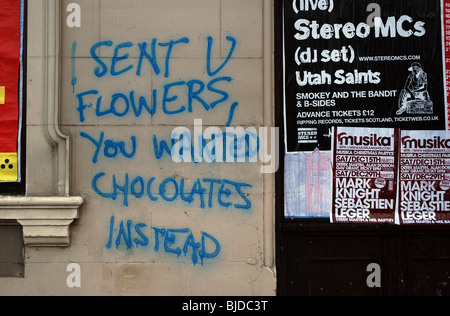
(10, 89)
(361, 63)
(424, 177)
(365, 162)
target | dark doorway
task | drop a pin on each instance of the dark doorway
(11, 250)
(315, 258)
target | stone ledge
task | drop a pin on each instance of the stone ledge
(45, 220)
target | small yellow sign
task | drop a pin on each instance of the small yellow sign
(8, 167)
(2, 95)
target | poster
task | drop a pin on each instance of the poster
(365, 163)
(307, 185)
(447, 54)
(366, 63)
(424, 178)
(10, 89)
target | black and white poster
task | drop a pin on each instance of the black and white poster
(361, 63)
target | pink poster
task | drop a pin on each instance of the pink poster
(424, 178)
(365, 162)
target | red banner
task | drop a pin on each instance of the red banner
(10, 41)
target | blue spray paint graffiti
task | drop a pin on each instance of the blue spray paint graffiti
(122, 105)
(111, 148)
(171, 241)
(102, 68)
(220, 147)
(216, 192)
(228, 193)
(74, 78)
(208, 55)
(170, 97)
(207, 94)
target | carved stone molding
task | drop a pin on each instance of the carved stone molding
(45, 220)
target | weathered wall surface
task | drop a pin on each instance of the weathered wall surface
(133, 72)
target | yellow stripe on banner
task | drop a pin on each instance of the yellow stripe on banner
(8, 167)
(2, 95)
